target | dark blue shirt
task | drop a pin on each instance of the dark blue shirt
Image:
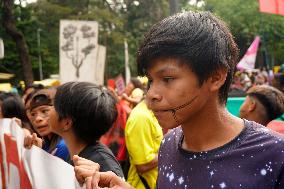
(253, 160)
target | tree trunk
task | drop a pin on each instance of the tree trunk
(174, 6)
(18, 37)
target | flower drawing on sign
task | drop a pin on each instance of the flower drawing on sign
(78, 44)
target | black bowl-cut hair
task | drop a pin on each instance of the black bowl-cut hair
(92, 109)
(198, 39)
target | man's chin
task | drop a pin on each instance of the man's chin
(168, 125)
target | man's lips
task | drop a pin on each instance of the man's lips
(41, 128)
(159, 113)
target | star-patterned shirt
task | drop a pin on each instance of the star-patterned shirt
(254, 159)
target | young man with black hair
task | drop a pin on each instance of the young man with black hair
(263, 104)
(82, 113)
(189, 59)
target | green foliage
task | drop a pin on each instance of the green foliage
(128, 20)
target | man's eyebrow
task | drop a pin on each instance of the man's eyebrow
(166, 69)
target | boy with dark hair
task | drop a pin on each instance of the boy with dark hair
(82, 113)
(39, 114)
(262, 104)
(190, 59)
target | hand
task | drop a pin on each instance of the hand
(107, 180)
(18, 121)
(84, 168)
(124, 95)
(32, 140)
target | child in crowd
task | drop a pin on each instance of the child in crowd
(263, 104)
(190, 60)
(40, 106)
(12, 106)
(82, 113)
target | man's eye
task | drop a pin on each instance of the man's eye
(149, 83)
(168, 79)
(45, 111)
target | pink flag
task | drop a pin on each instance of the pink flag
(119, 83)
(248, 61)
(272, 6)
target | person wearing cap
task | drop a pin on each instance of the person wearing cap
(263, 104)
(40, 106)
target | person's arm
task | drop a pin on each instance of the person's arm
(131, 100)
(147, 166)
(30, 140)
(106, 180)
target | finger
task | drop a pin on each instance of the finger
(88, 182)
(82, 173)
(87, 167)
(95, 180)
(34, 136)
(78, 161)
(28, 141)
(93, 166)
(75, 158)
(107, 179)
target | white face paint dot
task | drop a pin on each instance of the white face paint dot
(263, 172)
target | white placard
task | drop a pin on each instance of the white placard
(78, 50)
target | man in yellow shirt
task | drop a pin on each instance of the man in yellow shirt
(143, 136)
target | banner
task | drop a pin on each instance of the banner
(22, 168)
(248, 61)
(272, 6)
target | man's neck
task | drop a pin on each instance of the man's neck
(210, 129)
(75, 146)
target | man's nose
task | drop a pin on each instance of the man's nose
(153, 95)
(38, 118)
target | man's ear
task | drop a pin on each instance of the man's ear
(66, 124)
(218, 79)
(252, 105)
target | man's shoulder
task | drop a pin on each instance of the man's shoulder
(95, 151)
(261, 132)
(261, 138)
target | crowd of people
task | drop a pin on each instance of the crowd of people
(172, 131)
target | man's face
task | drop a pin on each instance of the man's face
(245, 108)
(129, 88)
(173, 85)
(54, 122)
(39, 117)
